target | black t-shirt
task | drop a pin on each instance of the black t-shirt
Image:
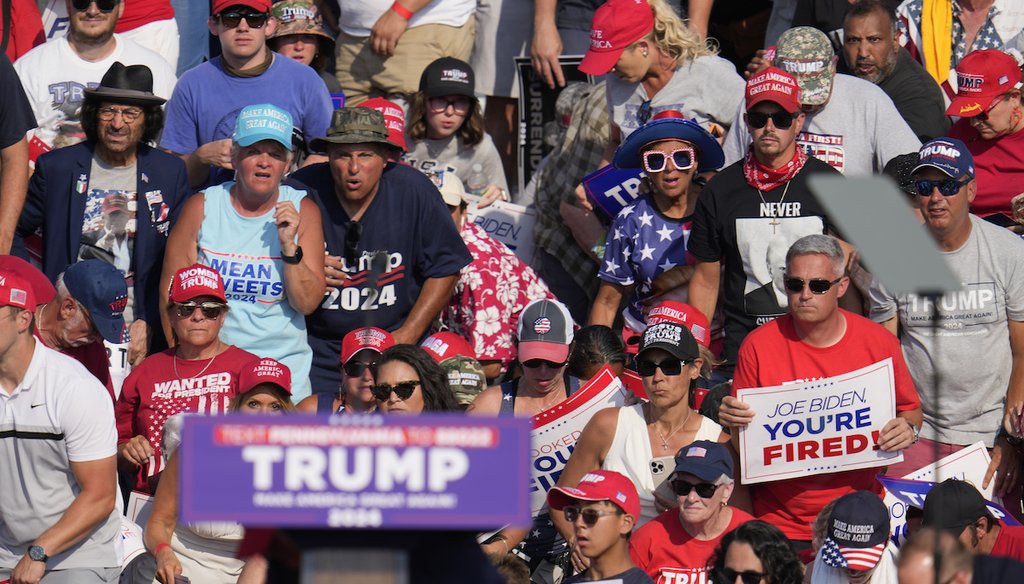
(750, 234)
(917, 97)
(407, 237)
(16, 117)
(631, 576)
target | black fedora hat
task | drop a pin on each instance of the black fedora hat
(132, 84)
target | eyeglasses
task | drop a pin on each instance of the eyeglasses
(535, 363)
(657, 161)
(353, 233)
(103, 5)
(356, 368)
(233, 19)
(947, 186)
(646, 367)
(643, 115)
(704, 490)
(211, 310)
(728, 575)
(403, 389)
(440, 104)
(782, 120)
(590, 515)
(817, 285)
(128, 114)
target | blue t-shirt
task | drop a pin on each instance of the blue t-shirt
(207, 100)
(407, 236)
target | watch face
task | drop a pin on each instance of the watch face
(36, 554)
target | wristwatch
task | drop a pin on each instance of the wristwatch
(293, 259)
(36, 553)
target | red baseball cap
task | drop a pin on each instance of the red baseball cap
(16, 291)
(775, 85)
(684, 314)
(42, 290)
(616, 25)
(370, 337)
(394, 119)
(265, 370)
(598, 485)
(981, 77)
(446, 344)
(195, 281)
(257, 5)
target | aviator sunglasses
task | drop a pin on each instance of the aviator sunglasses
(211, 310)
(657, 161)
(758, 120)
(403, 389)
(590, 515)
(817, 285)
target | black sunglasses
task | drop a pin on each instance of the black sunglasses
(817, 285)
(353, 233)
(357, 368)
(728, 575)
(211, 310)
(233, 19)
(947, 186)
(103, 5)
(646, 367)
(535, 363)
(782, 120)
(704, 490)
(403, 389)
(590, 515)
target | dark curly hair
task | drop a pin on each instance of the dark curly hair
(779, 562)
(471, 131)
(152, 116)
(437, 394)
(593, 346)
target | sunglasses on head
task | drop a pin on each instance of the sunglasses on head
(233, 19)
(817, 285)
(590, 515)
(947, 186)
(211, 310)
(704, 490)
(357, 368)
(535, 363)
(353, 233)
(747, 577)
(782, 120)
(103, 5)
(646, 367)
(657, 161)
(403, 389)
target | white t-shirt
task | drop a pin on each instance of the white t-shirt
(359, 16)
(856, 133)
(55, 79)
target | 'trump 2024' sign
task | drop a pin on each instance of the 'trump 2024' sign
(820, 426)
(448, 472)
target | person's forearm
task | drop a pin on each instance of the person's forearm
(698, 13)
(413, 6)
(915, 417)
(605, 305)
(1015, 389)
(13, 186)
(304, 287)
(544, 13)
(89, 509)
(433, 297)
(703, 292)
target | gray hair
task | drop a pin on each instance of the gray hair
(725, 480)
(819, 244)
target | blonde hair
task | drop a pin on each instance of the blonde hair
(673, 37)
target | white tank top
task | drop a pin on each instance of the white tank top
(630, 454)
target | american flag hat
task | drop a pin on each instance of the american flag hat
(545, 331)
(858, 530)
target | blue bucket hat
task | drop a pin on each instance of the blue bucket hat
(709, 152)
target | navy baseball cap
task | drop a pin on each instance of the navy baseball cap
(948, 155)
(858, 531)
(705, 460)
(100, 288)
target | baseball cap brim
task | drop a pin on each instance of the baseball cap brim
(969, 106)
(944, 171)
(321, 144)
(250, 139)
(704, 472)
(600, 62)
(112, 329)
(554, 352)
(561, 497)
(677, 351)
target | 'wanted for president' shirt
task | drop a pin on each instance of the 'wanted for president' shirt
(750, 234)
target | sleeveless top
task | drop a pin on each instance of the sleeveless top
(630, 454)
(247, 253)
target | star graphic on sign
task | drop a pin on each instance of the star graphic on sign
(647, 252)
(666, 265)
(664, 233)
(645, 219)
(611, 266)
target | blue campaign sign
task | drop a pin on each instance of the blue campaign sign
(611, 189)
(913, 493)
(396, 472)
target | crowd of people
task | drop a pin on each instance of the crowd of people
(288, 226)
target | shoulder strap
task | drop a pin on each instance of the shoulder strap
(325, 402)
(508, 404)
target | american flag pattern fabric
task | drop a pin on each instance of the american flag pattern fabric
(850, 557)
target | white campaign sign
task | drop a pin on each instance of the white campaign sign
(509, 223)
(820, 426)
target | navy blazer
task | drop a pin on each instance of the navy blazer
(56, 202)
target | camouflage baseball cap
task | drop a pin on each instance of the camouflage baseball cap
(354, 125)
(807, 54)
(299, 17)
(465, 377)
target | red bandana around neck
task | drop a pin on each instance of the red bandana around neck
(763, 178)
